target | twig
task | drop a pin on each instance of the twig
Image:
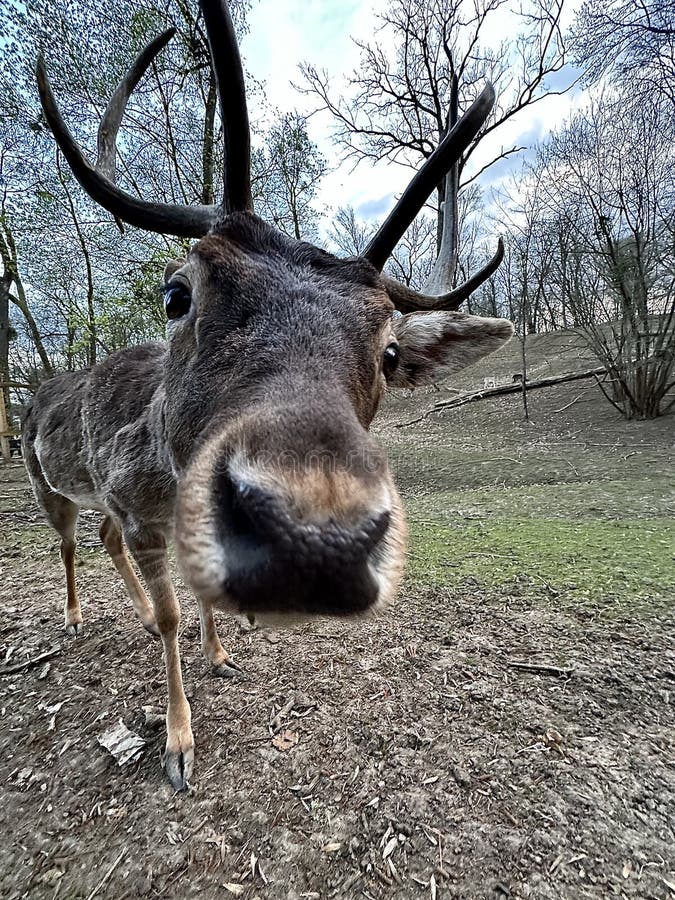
(29, 663)
(571, 403)
(487, 553)
(102, 883)
(541, 668)
(275, 724)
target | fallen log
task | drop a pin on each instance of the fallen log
(500, 390)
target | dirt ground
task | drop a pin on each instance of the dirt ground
(476, 742)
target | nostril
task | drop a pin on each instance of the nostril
(375, 529)
(229, 497)
(244, 508)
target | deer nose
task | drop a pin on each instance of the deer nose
(278, 563)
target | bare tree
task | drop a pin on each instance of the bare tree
(287, 169)
(401, 103)
(634, 40)
(609, 178)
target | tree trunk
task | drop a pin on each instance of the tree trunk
(4, 338)
(442, 276)
(91, 312)
(207, 147)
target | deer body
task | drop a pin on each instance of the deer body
(246, 435)
(95, 436)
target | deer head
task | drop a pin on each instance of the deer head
(278, 356)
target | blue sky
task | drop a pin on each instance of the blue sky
(283, 33)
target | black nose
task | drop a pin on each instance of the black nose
(278, 563)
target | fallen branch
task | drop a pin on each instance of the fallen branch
(540, 668)
(29, 663)
(275, 724)
(502, 389)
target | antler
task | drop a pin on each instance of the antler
(426, 180)
(407, 300)
(99, 181)
(106, 143)
(229, 75)
(441, 161)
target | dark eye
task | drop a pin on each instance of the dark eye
(177, 301)
(390, 360)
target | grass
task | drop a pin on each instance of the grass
(613, 563)
(575, 508)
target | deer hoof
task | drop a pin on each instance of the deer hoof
(151, 628)
(178, 765)
(226, 670)
(75, 630)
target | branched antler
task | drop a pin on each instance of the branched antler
(195, 221)
(406, 299)
(99, 180)
(428, 177)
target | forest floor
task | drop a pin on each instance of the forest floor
(506, 730)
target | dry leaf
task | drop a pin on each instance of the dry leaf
(126, 746)
(285, 740)
(553, 736)
(333, 847)
(51, 877)
(627, 869)
(392, 844)
(236, 889)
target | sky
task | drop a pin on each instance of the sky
(284, 33)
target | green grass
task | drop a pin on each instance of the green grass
(642, 497)
(575, 509)
(593, 561)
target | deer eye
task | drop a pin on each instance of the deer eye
(177, 301)
(390, 360)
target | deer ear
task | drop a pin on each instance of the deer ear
(435, 344)
(172, 267)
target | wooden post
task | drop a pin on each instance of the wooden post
(4, 426)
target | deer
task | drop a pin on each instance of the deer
(244, 438)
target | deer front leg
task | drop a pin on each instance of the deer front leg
(212, 648)
(149, 551)
(111, 536)
(72, 611)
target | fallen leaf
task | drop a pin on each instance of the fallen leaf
(333, 847)
(627, 869)
(51, 877)
(553, 736)
(285, 740)
(236, 889)
(392, 844)
(126, 746)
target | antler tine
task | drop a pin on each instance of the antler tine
(427, 178)
(182, 221)
(229, 74)
(407, 300)
(112, 117)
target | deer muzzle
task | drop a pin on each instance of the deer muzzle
(270, 542)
